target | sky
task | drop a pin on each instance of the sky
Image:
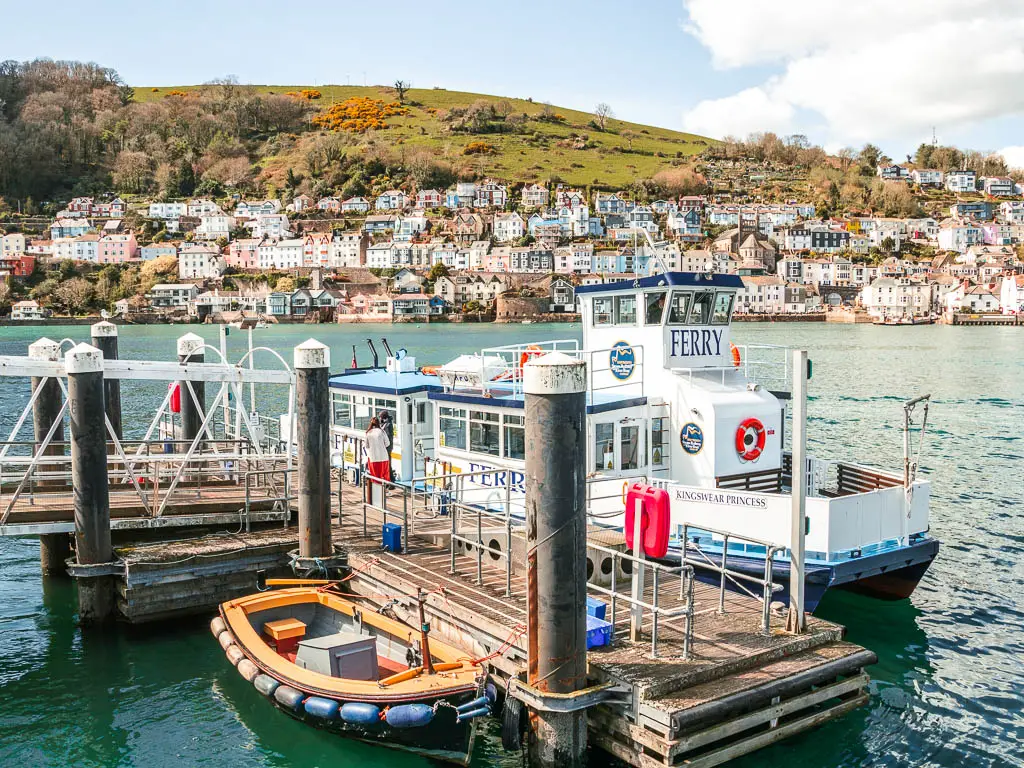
(843, 73)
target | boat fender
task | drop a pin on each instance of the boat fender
(225, 639)
(325, 709)
(248, 670)
(737, 359)
(234, 654)
(491, 692)
(360, 713)
(288, 697)
(483, 701)
(409, 715)
(655, 518)
(266, 685)
(464, 716)
(217, 626)
(512, 725)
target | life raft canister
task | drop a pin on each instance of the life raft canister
(750, 437)
(175, 397)
(531, 351)
(654, 521)
(736, 359)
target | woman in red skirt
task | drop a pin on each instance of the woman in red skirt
(378, 452)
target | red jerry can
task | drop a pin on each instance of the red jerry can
(654, 520)
(175, 397)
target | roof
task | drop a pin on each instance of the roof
(379, 380)
(677, 279)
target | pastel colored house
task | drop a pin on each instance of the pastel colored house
(429, 198)
(392, 200)
(117, 249)
(355, 205)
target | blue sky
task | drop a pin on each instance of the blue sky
(713, 66)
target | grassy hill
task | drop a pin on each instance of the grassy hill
(623, 153)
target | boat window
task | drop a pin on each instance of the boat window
(515, 437)
(655, 307)
(632, 448)
(385, 404)
(723, 306)
(603, 310)
(452, 428)
(362, 412)
(625, 310)
(700, 312)
(679, 307)
(484, 432)
(342, 406)
(659, 442)
(604, 447)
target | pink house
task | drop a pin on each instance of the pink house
(329, 204)
(498, 260)
(316, 249)
(242, 254)
(117, 249)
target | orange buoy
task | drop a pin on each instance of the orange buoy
(736, 360)
(531, 351)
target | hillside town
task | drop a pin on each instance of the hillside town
(487, 250)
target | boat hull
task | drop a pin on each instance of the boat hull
(890, 575)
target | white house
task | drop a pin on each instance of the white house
(215, 225)
(508, 227)
(998, 186)
(347, 250)
(1011, 295)
(959, 235)
(168, 210)
(274, 225)
(200, 263)
(280, 254)
(27, 310)
(926, 177)
(897, 297)
(764, 294)
(962, 181)
(534, 196)
(355, 205)
(380, 256)
(202, 207)
(172, 295)
(392, 200)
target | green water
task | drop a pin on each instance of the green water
(948, 689)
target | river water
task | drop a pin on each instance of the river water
(948, 689)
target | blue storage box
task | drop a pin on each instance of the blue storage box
(599, 632)
(391, 537)
(596, 608)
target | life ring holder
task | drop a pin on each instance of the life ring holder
(750, 428)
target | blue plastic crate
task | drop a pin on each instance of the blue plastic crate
(599, 632)
(391, 537)
(596, 608)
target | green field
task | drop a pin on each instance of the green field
(609, 160)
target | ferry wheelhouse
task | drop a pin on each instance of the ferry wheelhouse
(671, 402)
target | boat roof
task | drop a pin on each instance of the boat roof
(381, 381)
(508, 397)
(677, 279)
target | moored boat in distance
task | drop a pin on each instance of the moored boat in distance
(325, 661)
(671, 402)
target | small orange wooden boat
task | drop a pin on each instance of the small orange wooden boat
(336, 665)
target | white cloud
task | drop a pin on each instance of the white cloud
(1014, 156)
(867, 70)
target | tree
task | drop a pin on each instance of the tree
(628, 135)
(603, 112)
(285, 284)
(75, 295)
(133, 171)
(401, 87)
(888, 244)
(5, 298)
(440, 269)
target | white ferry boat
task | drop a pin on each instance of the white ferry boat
(671, 402)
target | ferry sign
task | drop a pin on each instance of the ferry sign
(697, 347)
(622, 360)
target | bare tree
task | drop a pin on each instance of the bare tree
(629, 135)
(401, 86)
(603, 113)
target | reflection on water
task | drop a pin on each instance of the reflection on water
(947, 690)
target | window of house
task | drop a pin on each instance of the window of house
(654, 310)
(679, 307)
(515, 437)
(604, 447)
(625, 310)
(700, 312)
(603, 310)
(484, 433)
(452, 424)
(723, 306)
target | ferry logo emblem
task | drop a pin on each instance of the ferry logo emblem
(622, 360)
(691, 437)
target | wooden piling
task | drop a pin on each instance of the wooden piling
(54, 548)
(312, 435)
(556, 524)
(84, 365)
(104, 338)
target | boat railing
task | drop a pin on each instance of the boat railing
(767, 365)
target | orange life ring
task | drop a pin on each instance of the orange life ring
(531, 351)
(736, 360)
(750, 438)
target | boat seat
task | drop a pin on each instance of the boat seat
(284, 629)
